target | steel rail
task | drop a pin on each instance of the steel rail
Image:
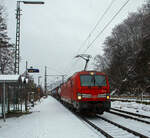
(96, 127)
(139, 115)
(125, 128)
(102, 131)
(127, 116)
(88, 122)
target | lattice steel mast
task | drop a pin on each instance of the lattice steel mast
(17, 49)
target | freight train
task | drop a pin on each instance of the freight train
(85, 91)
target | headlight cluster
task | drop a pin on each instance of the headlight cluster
(104, 95)
(108, 97)
(83, 95)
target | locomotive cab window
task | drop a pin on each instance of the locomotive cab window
(93, 80)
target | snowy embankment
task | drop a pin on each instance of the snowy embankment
(49, 119)
(132, 107)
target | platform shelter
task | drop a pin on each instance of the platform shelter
(10, 93)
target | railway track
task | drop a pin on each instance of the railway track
(123, 128)
(96, 127)
(130, 113)
(82, 118)
(128, 116)
(109, 128)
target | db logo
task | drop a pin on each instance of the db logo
(94, 96)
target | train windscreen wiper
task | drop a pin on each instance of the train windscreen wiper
(93, 80)
(97, 84)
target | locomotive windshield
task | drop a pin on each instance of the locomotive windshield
(93, 80)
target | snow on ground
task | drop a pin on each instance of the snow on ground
(137, 126)
(132, 107)
(49, 119)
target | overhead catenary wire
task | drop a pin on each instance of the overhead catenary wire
(54, 70)
(107, 25)
(73, 65)
(120, 9)
(98, 22)
(94, 28)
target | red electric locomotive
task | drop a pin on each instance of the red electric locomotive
(87, 91)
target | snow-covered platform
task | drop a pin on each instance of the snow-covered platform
(49, 119)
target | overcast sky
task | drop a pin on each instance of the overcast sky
(51, 34)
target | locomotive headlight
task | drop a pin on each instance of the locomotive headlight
(79, 97)
(107, 97)
(83, 95)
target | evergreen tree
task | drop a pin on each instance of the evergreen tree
(6, 48)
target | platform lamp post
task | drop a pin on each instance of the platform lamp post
(17, 48)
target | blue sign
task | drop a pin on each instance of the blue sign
(33, 70)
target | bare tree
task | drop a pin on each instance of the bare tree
(126, 52)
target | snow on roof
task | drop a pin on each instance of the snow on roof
(9, 78)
